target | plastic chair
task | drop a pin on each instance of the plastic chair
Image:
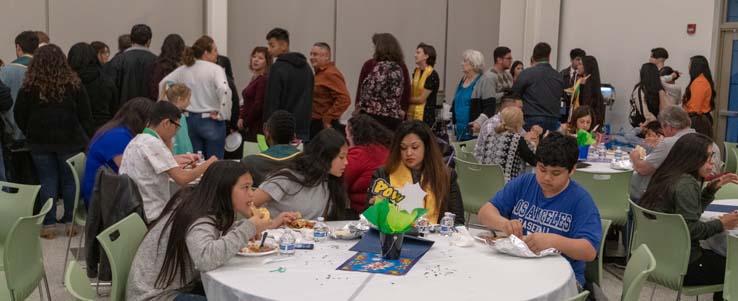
(16, 200)
(77, 283)
(728, 191)
(478, 184)
(731, 156)
(641, 265)
(250, 148)
(464, 146)
(593, 271)
(609, 192)
(581, 297)
(468, 157)
(730, 286)
(667, 236)
(120, 242)
(23, 259)
(79, 216)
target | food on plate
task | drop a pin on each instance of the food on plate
(301, 223)
(641, 151)
(342, 232)
(489, 238)
(253, 247)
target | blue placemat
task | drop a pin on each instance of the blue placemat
(721, 208)
(412, 247)
(374, 263)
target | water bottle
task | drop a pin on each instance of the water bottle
(202, 158)
(618, 154)
(287, 243)
(447, 224)
(423, 225)
(320, 230)
(602, 152)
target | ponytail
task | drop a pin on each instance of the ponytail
(203, 44)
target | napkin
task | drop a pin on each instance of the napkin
(515, 246)
(622, 165)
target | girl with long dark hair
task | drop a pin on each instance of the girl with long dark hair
(210, 103)
(53, 111)
(416, 158)
(312, 183)
(677, 187)
(589, 93)
(169, 59)
(368, 150)
(251, 114)
(384, 83)
(649, 93)
(197, 232)
(580, 119)
(107, 146)
(100, 88)
(699, 98)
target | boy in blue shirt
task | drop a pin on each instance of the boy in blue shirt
(547, 209)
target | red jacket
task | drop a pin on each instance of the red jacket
(363, 160)
(253, 107)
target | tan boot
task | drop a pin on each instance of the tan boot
(48, 233)
(71, 230)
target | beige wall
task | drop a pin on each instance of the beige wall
(17, 16)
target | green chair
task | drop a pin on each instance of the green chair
(468, 157)
(23, 259)
(262, 142)
(464, 146)
(250, 148)
(120, 243)
(478, 184)
(16, 200)
(609, 192)
(728, 191)
(77, 283)
(730, 288)
(581, 297)
(593, 271)
(641, 265)
(731, 156)
(79, 216)
(668, 239)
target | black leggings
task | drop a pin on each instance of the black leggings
(706, 270)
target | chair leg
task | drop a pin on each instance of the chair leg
(679, 295)
(66, 254)
(81, 239)
(40, 292)
(46, 283)
(653, 291)
(467, 217)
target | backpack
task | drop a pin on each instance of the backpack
(636, 116)
(382, 89)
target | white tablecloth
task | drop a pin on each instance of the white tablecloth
(599, 167)
(718, 242)
(445, 272)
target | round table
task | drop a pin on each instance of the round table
(599, 168)
(718, 242)
(445, 272)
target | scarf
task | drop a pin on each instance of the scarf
(577, 90)
(415, 112)
(401, 177)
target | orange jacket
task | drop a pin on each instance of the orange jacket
(330, 95)
(701, 93)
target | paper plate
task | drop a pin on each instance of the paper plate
(256, 254)
(233, 141)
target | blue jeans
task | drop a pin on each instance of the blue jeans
(189, 297)
(53, 171)
(550, 124)
(207, 135)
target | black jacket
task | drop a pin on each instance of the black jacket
(102, 93)
(113, 198)
(57, 125)
(130, 73)
(290, 88)
(450, 203)
(225, 62)
(6, 102)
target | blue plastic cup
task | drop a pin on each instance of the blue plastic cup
(583, 152)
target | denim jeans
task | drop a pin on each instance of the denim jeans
(550, 124)
(53, 171)
(207, 135)
(189, 297)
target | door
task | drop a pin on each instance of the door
(727, 100)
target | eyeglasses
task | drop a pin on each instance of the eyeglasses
(175, 123)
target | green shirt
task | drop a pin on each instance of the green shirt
(182, 143)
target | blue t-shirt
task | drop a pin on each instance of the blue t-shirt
(571, 213)
(102, 151)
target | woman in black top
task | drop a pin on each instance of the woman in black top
(506, 145)
(415, 157)
(100, 87)
(53, 111)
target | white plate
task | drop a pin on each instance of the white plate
(233, 141)
(251, 254)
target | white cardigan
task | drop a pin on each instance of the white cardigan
(210, 91)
